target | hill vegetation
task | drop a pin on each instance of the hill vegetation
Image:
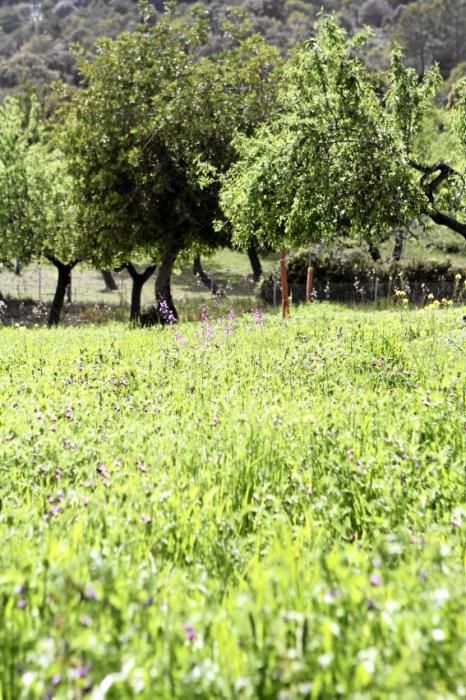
(36, 36)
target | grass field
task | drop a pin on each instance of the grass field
(240, 509)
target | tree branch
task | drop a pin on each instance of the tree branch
(58, 263)
(430, 187)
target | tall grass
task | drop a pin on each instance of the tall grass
(235, 509)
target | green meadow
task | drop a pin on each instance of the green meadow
(246, 508)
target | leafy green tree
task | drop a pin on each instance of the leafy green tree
(149, 135)
(36, 210)
(336, 160)
(417, 33)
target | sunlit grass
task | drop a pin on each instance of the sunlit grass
(243, 508)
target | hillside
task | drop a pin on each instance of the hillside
(35, 37)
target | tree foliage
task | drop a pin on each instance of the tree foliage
(335, 161)
(36, 210)
(148, 136)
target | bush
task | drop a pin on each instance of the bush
(344, 273)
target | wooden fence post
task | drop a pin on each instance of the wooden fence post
(309, 282)
(284, 281)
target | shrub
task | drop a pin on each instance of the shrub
(343, 273)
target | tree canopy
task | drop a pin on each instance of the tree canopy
(336, 159)
(149, 134)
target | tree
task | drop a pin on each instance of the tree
(36, 210)
(148, 137)
(416, 31)
(335, 161)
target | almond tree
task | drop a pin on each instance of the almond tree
(338, 158)
(149, 135)
(36, 209)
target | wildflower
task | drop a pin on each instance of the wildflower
(81, 671)
(22, 603)
(258, 317)
(190, 633)
(179, 338)
(438, 635)
(325, 660)
(458, 276)
(166, 312)
(90, 594)
(102, 471)
(375, 580)
(430, 297)
(332, 594)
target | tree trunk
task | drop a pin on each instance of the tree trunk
(163, 293)
(139, 279)
(110, 284)
(398, 247)
(199, 272)
(64, 279)
(255, 262)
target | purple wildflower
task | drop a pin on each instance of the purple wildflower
(179, 338)
(375, 580)
(190, 633)
(81, 671)
(334, 593)
(207, 326)
(102, 471)
(258, 317)
(166, 312)
(22, 603)
(90, 594)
